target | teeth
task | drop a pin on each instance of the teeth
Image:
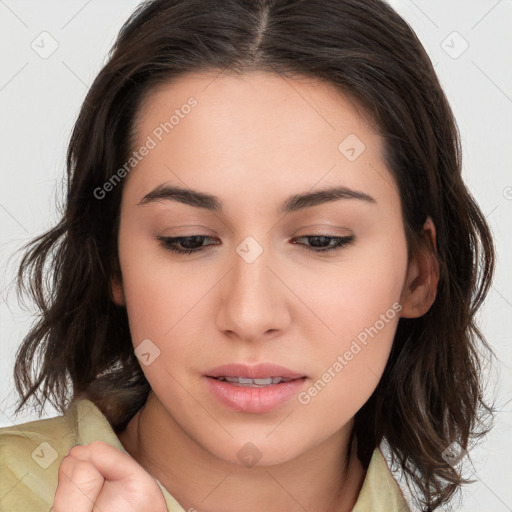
(244, 381)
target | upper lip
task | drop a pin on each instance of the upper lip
(257, 371)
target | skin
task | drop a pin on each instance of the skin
(253, 141)
(99, 477)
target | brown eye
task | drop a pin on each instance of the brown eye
(184, 244)
(323, 243)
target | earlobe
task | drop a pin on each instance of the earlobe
(116, 291)
(420, 287)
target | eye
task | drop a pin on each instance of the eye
(324, 243)
(194, 243)
(189, 244)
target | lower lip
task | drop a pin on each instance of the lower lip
(254, 399)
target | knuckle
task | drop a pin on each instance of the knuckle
(76, 450)
(81, 473)
(97, 446)
(66, 465)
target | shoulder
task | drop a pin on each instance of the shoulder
(30, 456)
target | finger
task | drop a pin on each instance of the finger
(125, 484)
(79, 484)
(111, 463)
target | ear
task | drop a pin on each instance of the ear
(116, 290)
(420, 287)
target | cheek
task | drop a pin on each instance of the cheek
(358, 302)
(344, 385)
(158, 294)
(349, 371)
(161, 300)
(361, 307)
(350, 294)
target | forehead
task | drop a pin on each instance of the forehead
(263, 104)
(227, 133)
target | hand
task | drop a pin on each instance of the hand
(99, 478)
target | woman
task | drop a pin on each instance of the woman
(268, 266)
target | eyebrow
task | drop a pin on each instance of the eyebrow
(166, 192)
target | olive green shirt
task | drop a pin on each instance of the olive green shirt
(31, 453)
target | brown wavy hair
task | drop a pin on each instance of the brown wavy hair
(431, 392)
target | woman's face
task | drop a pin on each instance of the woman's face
(256, 293)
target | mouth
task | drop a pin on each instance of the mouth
(262, 374)
(253, 389)
(254, 383)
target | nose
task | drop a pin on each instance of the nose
(253, 302)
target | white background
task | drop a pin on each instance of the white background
(40, 98)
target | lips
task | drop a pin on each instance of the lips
(244, 381)
(255, 372)
(253, 389)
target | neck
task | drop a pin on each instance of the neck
(327, 478)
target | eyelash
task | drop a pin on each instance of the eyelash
(170, 243)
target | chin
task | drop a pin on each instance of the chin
(259, 450)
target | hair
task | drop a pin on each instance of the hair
(431, 393)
